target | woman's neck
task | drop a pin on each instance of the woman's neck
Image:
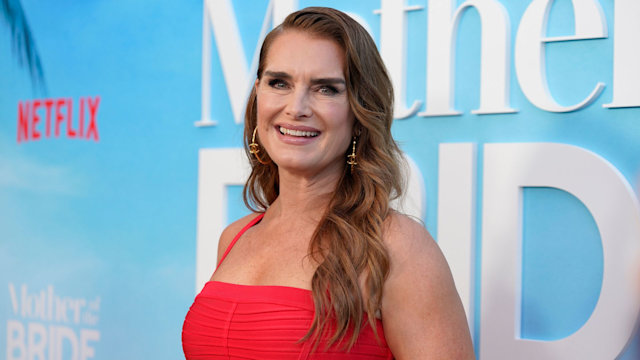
(302, 196)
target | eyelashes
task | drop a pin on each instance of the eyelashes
(277, 84)
(328, 90)
(323, 89)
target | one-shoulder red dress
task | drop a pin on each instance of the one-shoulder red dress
(230, 321)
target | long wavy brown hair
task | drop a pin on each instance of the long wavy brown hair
(347, 243)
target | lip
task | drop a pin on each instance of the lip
(296, 140)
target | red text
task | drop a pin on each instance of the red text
(40, 118)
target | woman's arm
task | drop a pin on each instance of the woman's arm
(421, 311)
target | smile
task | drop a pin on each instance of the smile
(298, 133)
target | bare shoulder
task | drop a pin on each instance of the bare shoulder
(421, 310)
(231, 231)
(414, 255)
(403, 236)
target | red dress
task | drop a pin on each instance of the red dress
(230, 321)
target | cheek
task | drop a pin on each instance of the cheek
(267, 106)
(344, 141)
(339, 113)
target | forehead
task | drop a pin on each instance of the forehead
(300, 53)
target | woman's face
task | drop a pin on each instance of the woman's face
(304, 119)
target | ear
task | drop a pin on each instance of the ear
(256, 84)
(357, 129)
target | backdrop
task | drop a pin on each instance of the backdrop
(120, 163)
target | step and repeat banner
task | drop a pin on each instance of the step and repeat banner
(120, 164)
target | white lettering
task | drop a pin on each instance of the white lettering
(530, 50)
(61, 309)
(37, 341)
(62, 333)
(443, 22)
(393, 49)
(77, 305)
(25, 301)
(413, 201)
(45, 305)
(626, 57)
(39, 305)
(14, 298)
(217, 169)
(607, 195)
(456, 217)
(16, 349)
(50, 303)
(52, 343)
(87, 351)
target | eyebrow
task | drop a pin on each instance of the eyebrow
(327, 81)
(277, 74)
(318, 81)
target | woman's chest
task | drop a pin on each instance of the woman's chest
(230, 321)
(282, 260)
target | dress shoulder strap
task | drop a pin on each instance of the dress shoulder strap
(233, 242)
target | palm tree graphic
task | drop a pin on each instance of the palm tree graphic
(22, 41)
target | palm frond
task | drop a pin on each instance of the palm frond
(22, 41)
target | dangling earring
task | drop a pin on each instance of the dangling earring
(352, 157)
(254, 148)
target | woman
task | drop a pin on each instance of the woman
(324, 268)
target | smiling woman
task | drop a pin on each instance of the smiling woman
(324, 268)
(304, 120)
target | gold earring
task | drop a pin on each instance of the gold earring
(352, 157)
(254, 148)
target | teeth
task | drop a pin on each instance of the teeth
(286, 131)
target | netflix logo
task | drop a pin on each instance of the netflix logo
(44, 118)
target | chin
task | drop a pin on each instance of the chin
(297, 164)
(294, 166)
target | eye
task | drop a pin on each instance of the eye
(278, 84)
(327, 90)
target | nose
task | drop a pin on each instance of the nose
(298, 105)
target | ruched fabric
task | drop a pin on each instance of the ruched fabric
(230, 321)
